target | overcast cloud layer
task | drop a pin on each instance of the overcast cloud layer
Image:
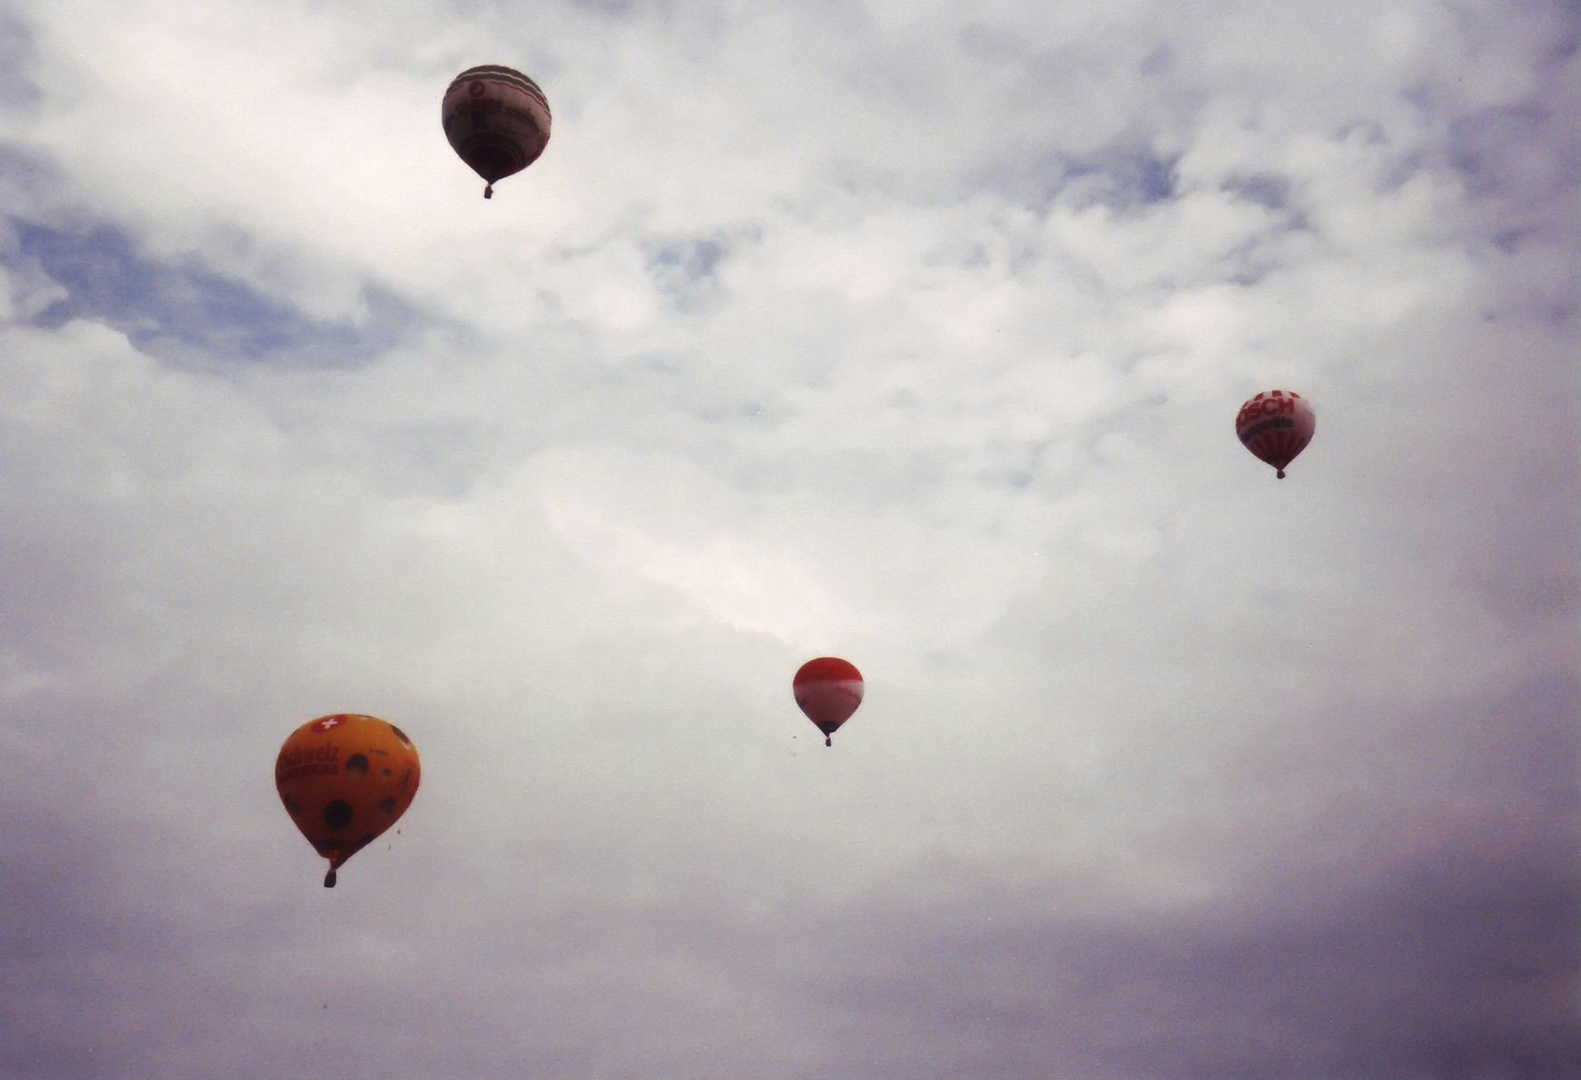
(910, 332)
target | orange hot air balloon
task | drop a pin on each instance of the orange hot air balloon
(497, 120)
(1276, 426)
(344, 779)
(828, 690)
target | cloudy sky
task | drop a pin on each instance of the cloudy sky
(907, 331)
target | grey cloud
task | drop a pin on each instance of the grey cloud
(187, 314)
(1457, 956)
(1265, 189)
(1123, 177)
(684, 269)
(1480, 146)
(17, 57)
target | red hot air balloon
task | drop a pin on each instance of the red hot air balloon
(828, 690)
(1276, 427)
(497, 120)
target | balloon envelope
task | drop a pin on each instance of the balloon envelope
(1276, 426)
(497, 121)
(828, 690)
(344, 779)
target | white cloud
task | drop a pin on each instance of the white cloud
(902, 332)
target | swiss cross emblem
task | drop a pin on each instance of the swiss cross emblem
(328, 723)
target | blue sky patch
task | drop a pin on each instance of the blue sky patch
(190, 316)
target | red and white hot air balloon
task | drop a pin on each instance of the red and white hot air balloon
(497, 121)
(1276, 426)
(828, 690)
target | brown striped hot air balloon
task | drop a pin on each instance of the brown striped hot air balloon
(497, 121)
(1276, 426)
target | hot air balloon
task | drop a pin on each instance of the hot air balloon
(828, 690)
(497, 120)
(1276, 426)
(344, 779)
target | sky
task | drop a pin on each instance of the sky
(907, 332)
